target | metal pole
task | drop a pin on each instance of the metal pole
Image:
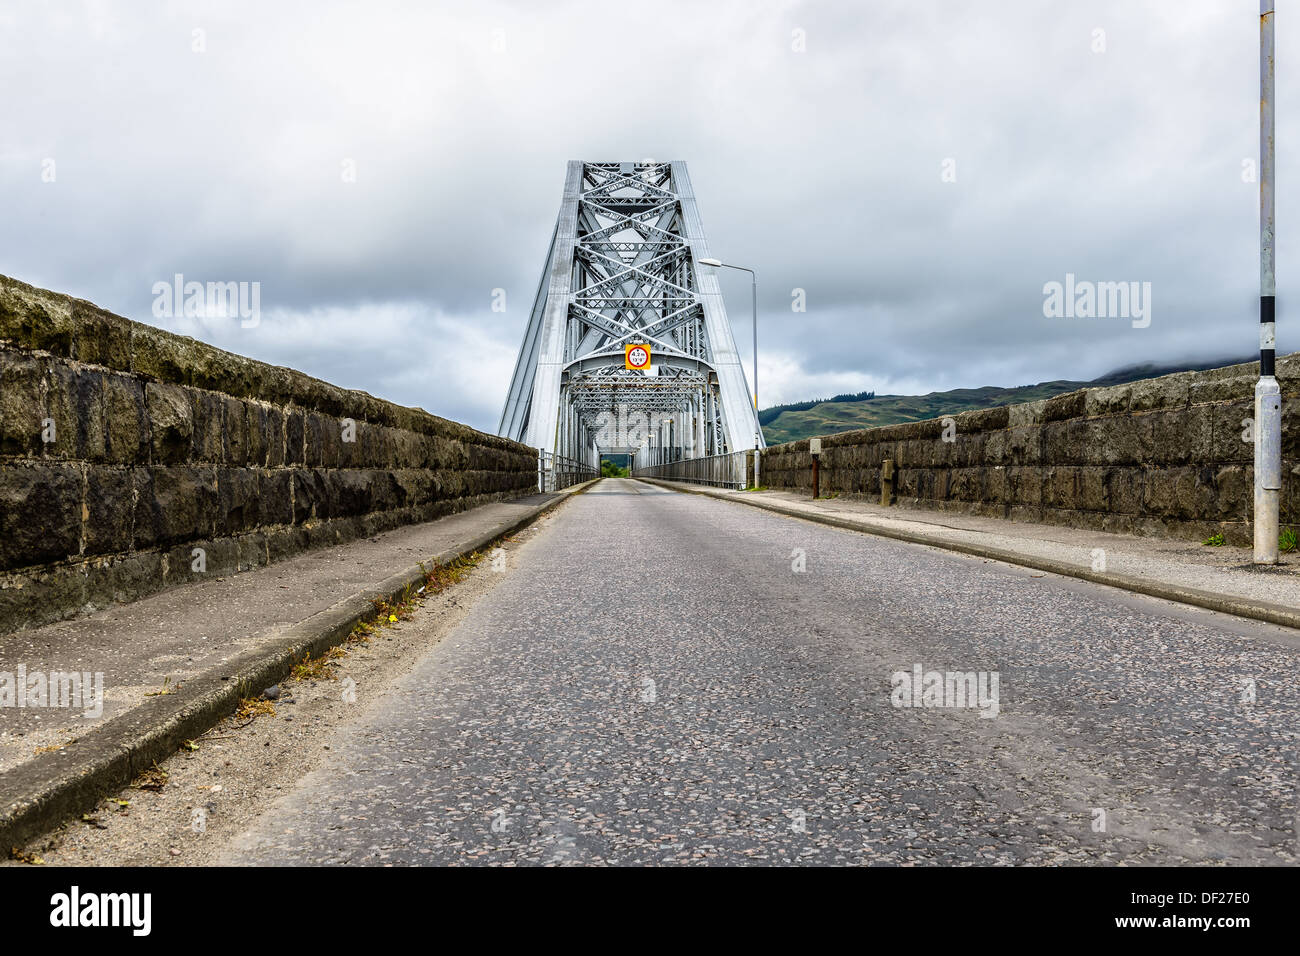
(753, 293)
(753, 290)
(1268, 397)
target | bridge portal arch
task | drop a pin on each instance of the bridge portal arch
(623, 269)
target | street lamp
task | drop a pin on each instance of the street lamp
(753, 288)
(1268, 397)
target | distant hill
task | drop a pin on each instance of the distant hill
(867, 410)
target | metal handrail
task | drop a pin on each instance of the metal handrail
(555, 472)
(721, 471)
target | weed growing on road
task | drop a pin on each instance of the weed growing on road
(1215, 540)
(361, 632)
(250, 707)
(318, 668)
(1286, 541)
(387, 614)
(167, 689)
(154, 778)
(437, 578)
(442, 576)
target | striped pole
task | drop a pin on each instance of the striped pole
(1268, 397)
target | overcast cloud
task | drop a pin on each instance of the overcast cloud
(822, 169)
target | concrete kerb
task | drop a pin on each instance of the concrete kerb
(1225, 604)
(41, 793)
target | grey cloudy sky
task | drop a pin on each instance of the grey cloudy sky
(821, 168)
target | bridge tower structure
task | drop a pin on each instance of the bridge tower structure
(624, 269)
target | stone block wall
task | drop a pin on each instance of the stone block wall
(1162, 456)
(123, 448)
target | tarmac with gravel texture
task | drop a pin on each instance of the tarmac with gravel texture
(668, 678)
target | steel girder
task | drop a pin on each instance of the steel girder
(623, 269)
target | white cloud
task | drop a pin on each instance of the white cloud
(399, 351)
(819, 169)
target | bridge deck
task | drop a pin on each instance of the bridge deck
(679, 693)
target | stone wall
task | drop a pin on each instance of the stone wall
(123, 448)
(1163, 456)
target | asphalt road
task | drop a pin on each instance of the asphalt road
(652, 681)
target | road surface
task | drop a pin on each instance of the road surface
(665, 678)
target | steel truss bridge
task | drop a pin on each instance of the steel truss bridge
(623, 268)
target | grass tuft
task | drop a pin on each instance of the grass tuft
(155, 778)
(251, 707)
(318, 668)
(167, 689)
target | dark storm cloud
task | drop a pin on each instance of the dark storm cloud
(822, 169)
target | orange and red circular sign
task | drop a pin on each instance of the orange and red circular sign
(636, 357)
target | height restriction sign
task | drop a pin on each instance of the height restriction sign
(636, 357)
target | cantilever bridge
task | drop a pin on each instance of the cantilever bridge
(624, 268)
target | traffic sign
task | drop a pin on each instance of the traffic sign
(636, 357)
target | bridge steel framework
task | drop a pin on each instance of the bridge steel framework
(623, 268)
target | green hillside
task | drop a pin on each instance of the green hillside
(846, 413)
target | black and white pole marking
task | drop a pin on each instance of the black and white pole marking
(1268, 397)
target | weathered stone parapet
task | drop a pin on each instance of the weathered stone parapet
(1162, 456)
(123, 448)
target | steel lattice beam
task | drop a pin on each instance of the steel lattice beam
(623, 269)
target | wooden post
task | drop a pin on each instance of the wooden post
(815, 449)
(887, 482)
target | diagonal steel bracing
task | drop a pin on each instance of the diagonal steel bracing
(623, 269)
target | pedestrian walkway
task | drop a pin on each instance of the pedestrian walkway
(159, 670)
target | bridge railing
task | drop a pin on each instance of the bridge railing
(732, 470)
(556, 471)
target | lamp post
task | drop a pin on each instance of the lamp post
(1268, 397)
(753, 289)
